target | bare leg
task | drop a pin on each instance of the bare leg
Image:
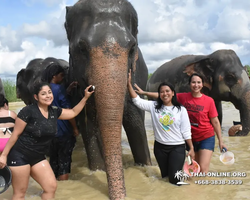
(203, 157)
(43, 174)
(20, 181)
(63, 177)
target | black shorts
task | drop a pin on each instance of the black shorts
(19, 158)
(60, 154)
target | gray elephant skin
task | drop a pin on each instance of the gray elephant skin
(224, 76)
(26, 78)
(103, 47)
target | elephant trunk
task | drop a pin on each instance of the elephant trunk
(244, 108)
(108, 73)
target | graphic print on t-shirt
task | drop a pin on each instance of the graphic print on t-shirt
(166, 119)
(193, 111)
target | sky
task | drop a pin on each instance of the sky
(32, 29)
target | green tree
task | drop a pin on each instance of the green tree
(149, 75)
(247, 68)
(10, 90)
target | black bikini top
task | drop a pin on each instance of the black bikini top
(6, 120)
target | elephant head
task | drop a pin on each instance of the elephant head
(103, 47)
(225, 79)
(32, 73)
(25, 80)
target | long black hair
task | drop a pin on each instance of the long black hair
(51, 70)
(3, 101)
(174, 101)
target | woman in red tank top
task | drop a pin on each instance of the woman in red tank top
(203, 118)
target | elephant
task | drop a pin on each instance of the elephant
(103, 47)
(225, 79)
(32, 73)
(1, 87)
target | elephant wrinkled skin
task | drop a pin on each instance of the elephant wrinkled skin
(31, 74)
(103, 47)
(224, 76)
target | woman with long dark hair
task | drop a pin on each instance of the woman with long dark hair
(171, 129)
(203, 118)
(34, 129)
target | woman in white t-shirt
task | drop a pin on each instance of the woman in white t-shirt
(171, 129)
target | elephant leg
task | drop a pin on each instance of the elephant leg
(92, 139)
(133, 123)
(88, 127)
(219, 110)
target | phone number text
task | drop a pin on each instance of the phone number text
(219, 182)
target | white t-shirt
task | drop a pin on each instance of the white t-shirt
(171, 126)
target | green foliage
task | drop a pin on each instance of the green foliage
(149, 75)
(10, 90)
(247, 67)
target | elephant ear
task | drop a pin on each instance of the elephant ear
(66, 23)
(23, 77)
(204, 67)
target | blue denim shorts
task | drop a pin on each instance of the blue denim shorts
(205, 144)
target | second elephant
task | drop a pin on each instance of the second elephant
(224, 76)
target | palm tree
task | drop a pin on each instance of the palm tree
(178, 175)
(185, 176)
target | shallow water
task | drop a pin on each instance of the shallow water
(145, 183)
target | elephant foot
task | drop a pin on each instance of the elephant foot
(148, 163)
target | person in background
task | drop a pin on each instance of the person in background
(7, 122)
(234, 129)
(171, 129)
(203, 118)
(63, 144)
(35, 127)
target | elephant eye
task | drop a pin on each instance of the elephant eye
(230, 79)
(132, 51)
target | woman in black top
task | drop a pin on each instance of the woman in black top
(35, 127)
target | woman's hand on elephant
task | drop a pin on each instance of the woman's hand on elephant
(71, 86)
(139, 90)
(129, 77)
(87, 92)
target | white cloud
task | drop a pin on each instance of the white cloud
(232, 25)
(174, 28)
(12, 62)
(9, 38)
(46, 2)
(167, 29)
